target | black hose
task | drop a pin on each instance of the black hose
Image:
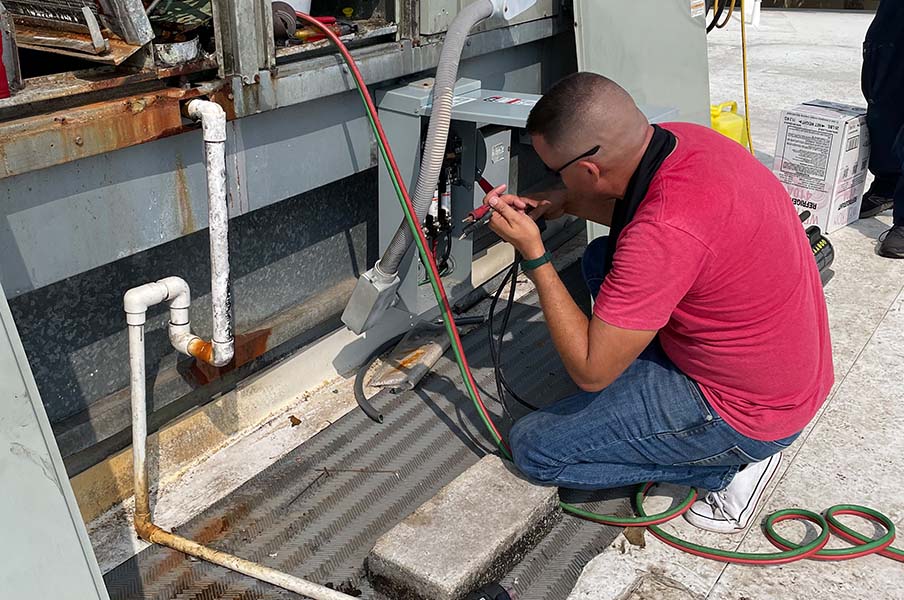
(717, 14)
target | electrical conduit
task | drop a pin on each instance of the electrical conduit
(437, 130)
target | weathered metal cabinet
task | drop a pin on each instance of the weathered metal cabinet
(437, 15)
(102, 187)
(44, 551)
(655, 49)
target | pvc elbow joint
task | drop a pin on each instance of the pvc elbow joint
(212, 117)
(137, 300)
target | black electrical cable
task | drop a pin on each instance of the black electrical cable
(717, 14)
(444, 261)
(502, 384)
(360, 397)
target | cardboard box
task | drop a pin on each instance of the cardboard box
(821, 156)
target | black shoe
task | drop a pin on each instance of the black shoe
(874, 203)
(891, 243)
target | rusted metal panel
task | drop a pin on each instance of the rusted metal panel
(93, 84)
(72, 43)
(41, 141)
(413, 358)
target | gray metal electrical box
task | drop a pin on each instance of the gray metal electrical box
(44, 550)
(485, 125)
(655, 49)
(437, 15)
(482, 124)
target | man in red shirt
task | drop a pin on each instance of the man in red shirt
(708, 350)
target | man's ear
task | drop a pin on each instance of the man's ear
(592, 168)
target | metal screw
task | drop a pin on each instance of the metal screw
(79, 141)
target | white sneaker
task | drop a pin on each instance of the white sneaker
(730, 510)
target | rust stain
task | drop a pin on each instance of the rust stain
(69, 41)
(183, 199)
(225, 98)
(248, 346)
(211, 530)
(412, 358)
(201, 349)
(217, 526)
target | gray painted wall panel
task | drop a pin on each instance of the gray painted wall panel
(84, 233)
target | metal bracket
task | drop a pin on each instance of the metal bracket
(412, 358)
(244, 38)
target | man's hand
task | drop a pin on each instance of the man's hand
(512, 224)
(549, 205)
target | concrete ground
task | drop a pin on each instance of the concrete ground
(852, 452)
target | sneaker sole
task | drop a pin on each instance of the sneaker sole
(758, 491)
(887, 254)
(875, 211)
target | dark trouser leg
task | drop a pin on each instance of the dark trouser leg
(882, 82)
(899, 188)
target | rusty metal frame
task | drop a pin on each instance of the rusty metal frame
(50, 139)
(46, 132)
(244, 39)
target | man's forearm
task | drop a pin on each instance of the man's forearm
(568, 326)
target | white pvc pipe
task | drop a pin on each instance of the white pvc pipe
(213, 125)
(179, 297)
(136, 303)
(139, 422)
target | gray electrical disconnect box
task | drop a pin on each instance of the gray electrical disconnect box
(437, 15)
(486, 144)
(44, 548)
(481, 137)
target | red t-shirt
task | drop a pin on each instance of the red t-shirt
(716, 259)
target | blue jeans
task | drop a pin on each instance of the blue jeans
(650, 424)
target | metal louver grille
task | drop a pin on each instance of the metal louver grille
(69, 11)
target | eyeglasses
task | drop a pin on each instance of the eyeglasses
(587, 154)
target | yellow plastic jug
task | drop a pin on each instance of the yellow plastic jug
(727, 121)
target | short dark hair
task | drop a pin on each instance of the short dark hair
(558, 114)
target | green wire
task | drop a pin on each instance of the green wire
(839, 553)
(642, 521)
(744, 557)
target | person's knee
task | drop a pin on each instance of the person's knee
(530, 453)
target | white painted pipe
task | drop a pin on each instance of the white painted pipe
(213, 125)
(136, 303)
